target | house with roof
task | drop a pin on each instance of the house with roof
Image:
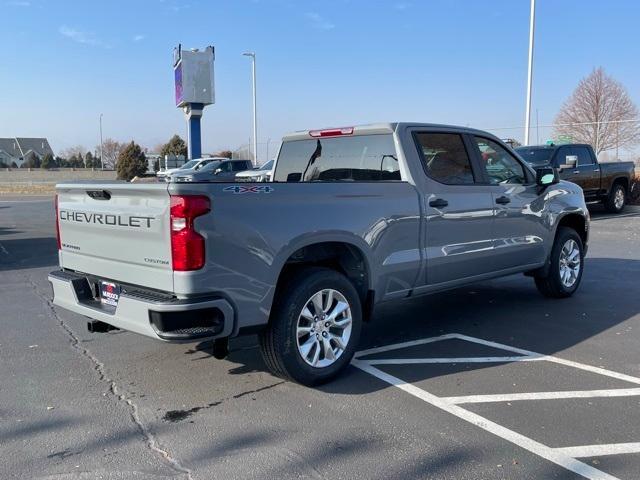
(17, 149)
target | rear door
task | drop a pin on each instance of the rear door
(117, 231)
(458, 210)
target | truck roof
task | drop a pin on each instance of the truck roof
(375, 128)
(553, 146)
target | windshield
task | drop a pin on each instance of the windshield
(267, 166)
(535, 156)
(189, 164)
(362, 158)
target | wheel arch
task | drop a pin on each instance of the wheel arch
(345, 255)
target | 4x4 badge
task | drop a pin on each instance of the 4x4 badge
(248, 189)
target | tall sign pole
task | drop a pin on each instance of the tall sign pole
(532, 25)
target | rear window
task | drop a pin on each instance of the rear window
(363, 158)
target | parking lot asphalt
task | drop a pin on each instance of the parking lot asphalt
(498, 383)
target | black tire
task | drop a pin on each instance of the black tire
(551, 285)
(610, 201)
(278, 342)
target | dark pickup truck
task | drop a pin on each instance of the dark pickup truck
(608, 183)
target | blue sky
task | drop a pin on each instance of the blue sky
(320, 63)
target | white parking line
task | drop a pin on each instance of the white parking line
(566, 457)
(600, 450)
(397, 346)
(514, 397)
(553, 455)
(414, 361)
(561, 361)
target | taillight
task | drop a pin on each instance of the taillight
(57, 223)
(187, 245)
(332, 132)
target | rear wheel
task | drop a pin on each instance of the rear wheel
(617, 199)
(314, 327)
(567, 261)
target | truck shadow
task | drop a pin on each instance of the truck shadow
(508, 311)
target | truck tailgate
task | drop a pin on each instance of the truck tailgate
(117, 231)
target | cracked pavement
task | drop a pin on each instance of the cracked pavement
(76, 405)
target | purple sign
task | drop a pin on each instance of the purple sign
(178, 77)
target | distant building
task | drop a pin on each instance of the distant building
(152, 158)
(19, 148)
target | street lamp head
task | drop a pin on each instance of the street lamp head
(249, 54)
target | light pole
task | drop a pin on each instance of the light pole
(255, 118)
(101, 157)
(532, 25)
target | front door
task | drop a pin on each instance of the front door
(519, 232)
(577, 165)
(458, 211)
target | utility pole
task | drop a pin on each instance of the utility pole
(101, 157)
(532, 24)
(255, 118)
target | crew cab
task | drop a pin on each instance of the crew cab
(608, 183)
(352, 217)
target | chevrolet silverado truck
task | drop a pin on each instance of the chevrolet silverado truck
(608, 183)
(352, 217)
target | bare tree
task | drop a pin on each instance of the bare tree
(110, 151)
(599, 103)
(77, 151)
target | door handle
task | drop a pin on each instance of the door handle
(576, 171)
(438, 203)
(503, 200)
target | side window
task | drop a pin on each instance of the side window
(500, 166)
(238, 166)
(225, 166)
(445, 159)
(584, 156)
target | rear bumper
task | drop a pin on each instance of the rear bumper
(157, 316)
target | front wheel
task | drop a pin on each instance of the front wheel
(314, 327)
(565, 270)
(617, 199)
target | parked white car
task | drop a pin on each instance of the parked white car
(260, 174)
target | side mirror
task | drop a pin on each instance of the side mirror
(570, 161)
(294, 177)
(546, 176)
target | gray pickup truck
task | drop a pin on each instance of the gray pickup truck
(609, 183)
(352, 217)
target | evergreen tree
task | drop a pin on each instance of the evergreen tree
(131, 162)
(48, 161)
(175, 146)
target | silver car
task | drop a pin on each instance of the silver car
(260, 174)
